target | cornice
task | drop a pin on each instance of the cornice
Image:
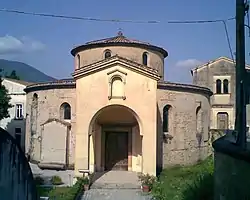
(184, 87)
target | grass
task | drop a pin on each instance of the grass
(61, 193)
(186, 183)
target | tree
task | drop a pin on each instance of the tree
(4, 101)
(13, 75)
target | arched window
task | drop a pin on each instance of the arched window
(65, 111)
(117, 87)
(222, 120)
(225, 86)
(166, 118)
(145, 58)
(199, 119)
(33, 114)
(218, 86)
(78, 61)
(107, 54)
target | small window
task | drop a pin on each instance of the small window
(199, 119)
(19, 111)
(107, 54)
(78, 61)
(65, 111)
(145, 58)
(18, 134)
(218, 86)
(166, 118)
(35, 97)
(225, 86)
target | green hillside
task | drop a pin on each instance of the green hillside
(24, 72)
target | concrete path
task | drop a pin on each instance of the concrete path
(115, 194)
(115, 185)
(116, 180)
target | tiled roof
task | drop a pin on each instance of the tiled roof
(63, 83)
(183, 86)
(120, 38)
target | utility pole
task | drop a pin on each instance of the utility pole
(1, 70)
(240, 122)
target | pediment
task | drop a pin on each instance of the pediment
(212, 62)
(117, 71)
(116, 61)
(50, 120)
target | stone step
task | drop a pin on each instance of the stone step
(115, 186)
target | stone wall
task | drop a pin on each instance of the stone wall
(232, 171)
(188, 135)
(187, 139)
(49, 102)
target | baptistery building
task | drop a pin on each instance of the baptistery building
(117, 113)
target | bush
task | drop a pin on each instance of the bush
(62, 193)
(86, 180)
(56, 180)
(175, 183)
(39, 180)
(201, 189)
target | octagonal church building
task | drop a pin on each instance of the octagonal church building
(117, 113)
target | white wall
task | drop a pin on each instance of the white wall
(18, 96)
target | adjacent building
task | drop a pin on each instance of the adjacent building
(219, 76)
(16, 123)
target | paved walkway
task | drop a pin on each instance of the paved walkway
(115, 185)
(114, 194)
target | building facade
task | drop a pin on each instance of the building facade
(117, 113)
(219, 76)
(15, 124)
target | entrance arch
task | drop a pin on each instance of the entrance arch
(115, 140)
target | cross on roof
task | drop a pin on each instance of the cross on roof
(120, 32)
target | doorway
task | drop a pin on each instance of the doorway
(116, 151)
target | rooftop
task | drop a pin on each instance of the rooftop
(118, 40)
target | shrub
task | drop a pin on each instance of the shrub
(39, 180)
(56, 180)
(185, 183)
(86, 180)
(201, 189)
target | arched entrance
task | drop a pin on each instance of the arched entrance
(115, 140)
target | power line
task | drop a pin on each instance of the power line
(113, 20)
(228, 40)
(129, 21)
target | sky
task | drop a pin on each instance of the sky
(45, 42)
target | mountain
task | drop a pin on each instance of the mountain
(24, 71)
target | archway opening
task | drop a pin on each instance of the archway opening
(115, 140)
